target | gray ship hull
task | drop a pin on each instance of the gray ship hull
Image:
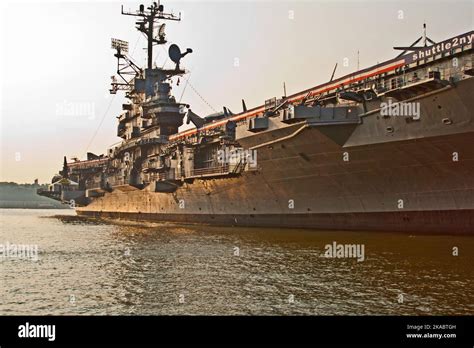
(399, 176)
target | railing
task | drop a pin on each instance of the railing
(161, 139)
(442, 72)
(224, 169)
(407, 80)
(97, 163)
(167, 175)
(161, 176)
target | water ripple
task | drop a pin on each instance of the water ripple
(98, 267)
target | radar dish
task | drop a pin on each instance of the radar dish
(175, 53)
(161, 30)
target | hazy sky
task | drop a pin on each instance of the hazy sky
(56, 61)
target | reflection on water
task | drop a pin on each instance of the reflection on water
(94, 267)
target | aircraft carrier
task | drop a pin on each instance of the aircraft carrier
(385, 148)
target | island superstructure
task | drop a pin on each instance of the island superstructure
(389, 147)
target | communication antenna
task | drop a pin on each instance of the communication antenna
(149, 17)
(424, 40)
(160, 36)
(125, 66)
(424, 34)
(120, 45)
(175, 54)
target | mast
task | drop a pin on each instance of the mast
(151, 22)
(65, 172)
(424, 40)
(149, 89)
(146, 25)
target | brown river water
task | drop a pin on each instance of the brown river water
(85, 267)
